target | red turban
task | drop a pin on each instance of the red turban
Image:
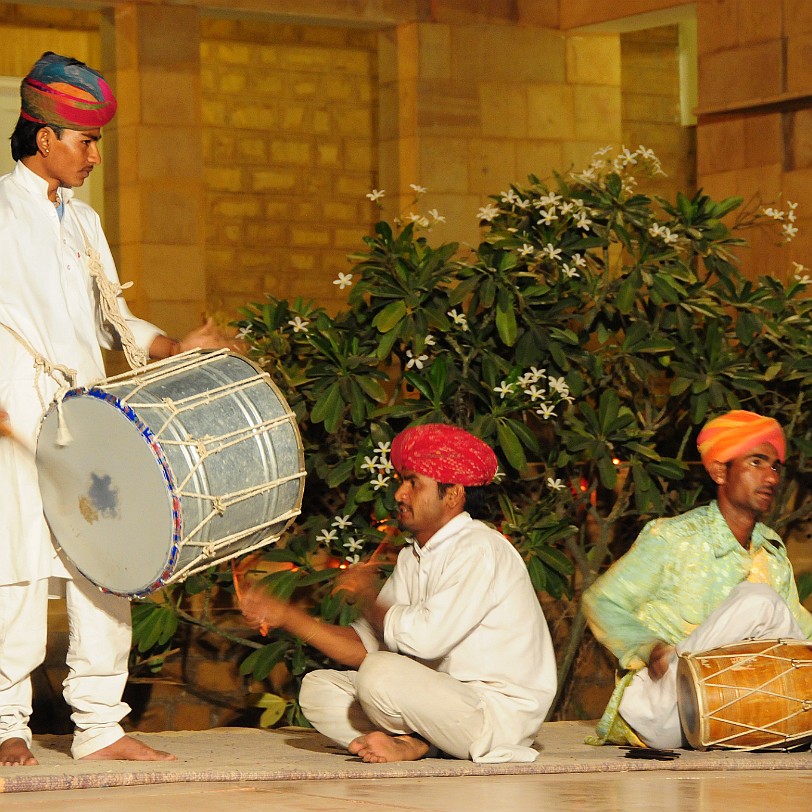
(444, 453)
(64, 92)
(735, 433)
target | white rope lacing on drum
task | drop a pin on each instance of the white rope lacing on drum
(133, 389)
(67, 382)
(739, 692)
(109, 292)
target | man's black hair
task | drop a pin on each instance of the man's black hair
(474, 498)
(24, 137)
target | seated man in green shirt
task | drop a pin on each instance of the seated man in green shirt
(712, 576)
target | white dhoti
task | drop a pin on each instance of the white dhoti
(395, 694)
(98, 648)
(752, 611)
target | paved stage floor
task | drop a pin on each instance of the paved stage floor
(298, 770)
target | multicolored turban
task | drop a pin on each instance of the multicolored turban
(66, 93)
(444, 453)
(735, 433)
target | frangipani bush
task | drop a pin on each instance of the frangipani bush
(587, 338)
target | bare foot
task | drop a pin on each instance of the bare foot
(378, 747)
(128, 749)
(15, 752)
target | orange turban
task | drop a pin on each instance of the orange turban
(735, 433)
(444, 453)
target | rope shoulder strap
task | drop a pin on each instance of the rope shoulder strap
(108, 299)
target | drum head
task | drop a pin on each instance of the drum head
(94, 493)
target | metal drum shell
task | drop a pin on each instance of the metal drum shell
(198, 429)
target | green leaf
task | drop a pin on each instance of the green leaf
(506, 323)
(260, 662)
(275, 707)
(328, 404)
(391, 315)
(510, 445)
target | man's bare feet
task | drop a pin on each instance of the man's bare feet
(15, 752)
(128, 749)
(378, 747)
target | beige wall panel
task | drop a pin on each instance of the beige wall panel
(749, 73)
(491, 165)
(593, 60)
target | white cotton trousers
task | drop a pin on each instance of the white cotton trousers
(98, 647)
(395, 694)
(751, 612)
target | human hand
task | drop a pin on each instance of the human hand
(660, 659)
(211, 337)
(5, 424)
(358, 582)
(262, 610)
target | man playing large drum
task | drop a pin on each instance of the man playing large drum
(710, 577)
(54, 316)
(454, 654)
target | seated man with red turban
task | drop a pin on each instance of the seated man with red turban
(713, 576)
(454, 654)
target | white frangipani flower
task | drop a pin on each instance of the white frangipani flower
(418, 190)
(326, 536)
(415, 360)
(344, 280)
(353, 544)
(380, 481)
(370, 464)
(555, 484)
(383, 447)
(353, 559)
(546, 411)
(341, 522)
(534, 393)
(436, 216)
(458, 318)
(487, 213)
(299, 324)
(503, 389)
(376, 194)
(526, 250)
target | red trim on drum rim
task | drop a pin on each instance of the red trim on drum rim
(157, 451)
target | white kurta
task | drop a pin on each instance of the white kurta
(49, 298)
(463, 605)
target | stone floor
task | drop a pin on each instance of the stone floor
(742, 791)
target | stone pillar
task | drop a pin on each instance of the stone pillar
(154, 161)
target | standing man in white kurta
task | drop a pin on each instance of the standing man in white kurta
(454, 654)
(50, 320)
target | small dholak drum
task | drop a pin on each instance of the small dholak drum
(751, 695)
(171, 468)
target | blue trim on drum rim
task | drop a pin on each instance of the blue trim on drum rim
(166, 470)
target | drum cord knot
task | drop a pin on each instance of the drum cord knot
(68, 382)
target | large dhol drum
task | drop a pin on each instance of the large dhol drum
(751, 695)
(171, 468)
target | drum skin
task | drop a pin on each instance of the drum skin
(751, 695)
(171, 468)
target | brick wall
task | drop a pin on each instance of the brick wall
(289, 132)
